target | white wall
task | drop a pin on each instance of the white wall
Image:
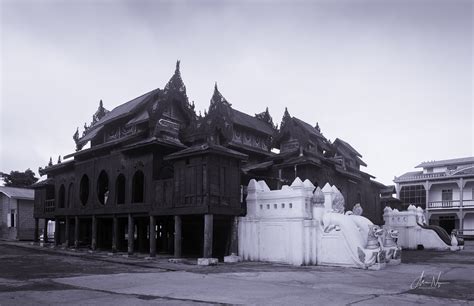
(291, 226)
(469, 222)
(435, 193)
(8, 204)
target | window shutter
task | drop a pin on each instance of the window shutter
(9, 220)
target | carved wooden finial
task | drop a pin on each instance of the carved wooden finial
(317, 127)
(76, 135)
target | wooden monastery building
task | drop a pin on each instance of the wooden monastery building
(157, 177)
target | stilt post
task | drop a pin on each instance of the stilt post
(208, 229)
(152, 235)
(131, 234)
(177, 236)
(94, 233)
(114, 234)
(76, 232)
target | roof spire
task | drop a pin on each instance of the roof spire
(176, 83)
(286, 117)
(100, 113)
(265, 116)
(217, 97)
(317, 127)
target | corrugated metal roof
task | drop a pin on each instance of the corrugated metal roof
(141, 117)
(348, 146)
(122, 110)
(18, 193)
(90, 135)
(446, 162)
(251, 122)
(410, 174)
(308, 128)
(259, 166)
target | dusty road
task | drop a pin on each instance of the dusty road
(32, 275)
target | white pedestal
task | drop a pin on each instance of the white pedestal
(207, 261)
(232, 258)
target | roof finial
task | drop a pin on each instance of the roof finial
(177, 66)
(215, 86)
(101, 104)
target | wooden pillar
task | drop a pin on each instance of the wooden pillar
(115, 234)
(66, 232)
(45, 231)
(461, 205)
(234, 236)
(57, 228)
(152, 236)
(141, 235)
(208, 228)
(164, 235)
(131, 234)
(36, 234)
(94, 233)
(177, 236)
(76, 232)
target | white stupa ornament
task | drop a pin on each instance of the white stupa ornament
(318, 196)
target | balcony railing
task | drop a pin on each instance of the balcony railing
(49, 206)
(451, 204)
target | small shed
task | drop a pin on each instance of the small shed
(16, 213)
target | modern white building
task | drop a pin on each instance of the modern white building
(445, 188)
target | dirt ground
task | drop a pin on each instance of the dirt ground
(32, 275)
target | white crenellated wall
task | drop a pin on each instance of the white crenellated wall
(278, 224)
(411, 234)
(296, 226)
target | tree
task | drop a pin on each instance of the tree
(19, 179)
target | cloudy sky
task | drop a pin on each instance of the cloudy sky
(393, 78)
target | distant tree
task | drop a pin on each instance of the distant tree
(18, 178)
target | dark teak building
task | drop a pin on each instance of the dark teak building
(159, 178)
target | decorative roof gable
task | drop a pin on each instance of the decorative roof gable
(176, 82)
(265, 117)
(292, 127)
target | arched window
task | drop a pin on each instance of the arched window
(70, 195)
(120, 189)
(138, 187)
(84, 189)
(61, 196)
(103, 187)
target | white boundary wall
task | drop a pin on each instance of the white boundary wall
(287, 226)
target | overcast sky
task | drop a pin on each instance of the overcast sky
(393, 78)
